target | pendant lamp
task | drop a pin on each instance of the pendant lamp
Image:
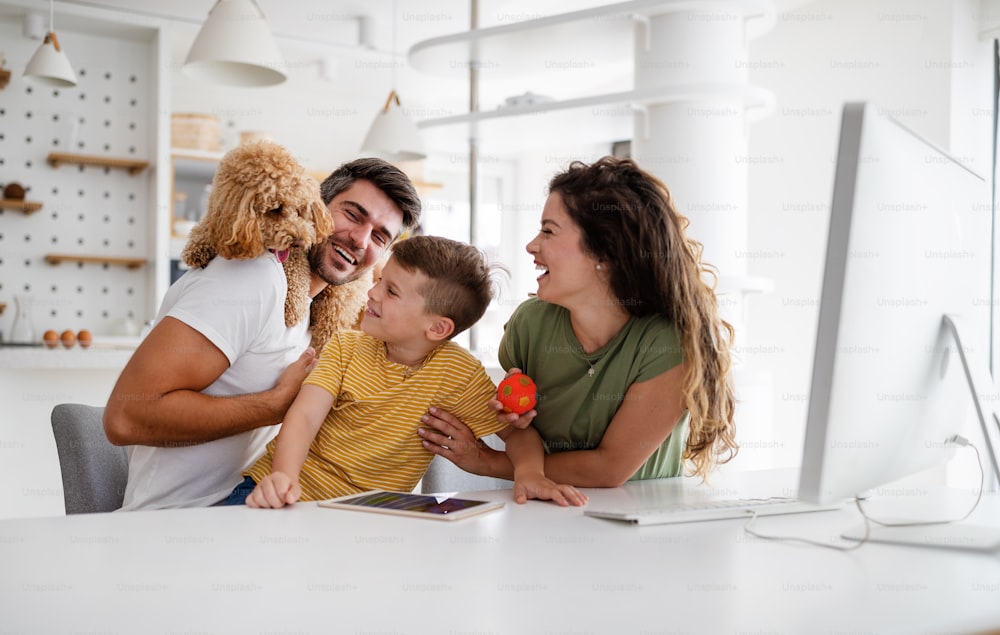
(393, 136)
(49, 66)
(235, 47)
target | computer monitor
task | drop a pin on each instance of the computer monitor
(909, 243)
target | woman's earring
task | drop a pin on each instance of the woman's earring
(599, 266)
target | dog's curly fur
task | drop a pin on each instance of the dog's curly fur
(262, 199)
(336, 307)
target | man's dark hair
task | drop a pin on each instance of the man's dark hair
(392, 181)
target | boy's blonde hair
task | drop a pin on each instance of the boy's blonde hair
(460, 283)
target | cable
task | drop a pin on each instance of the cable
(955, 439)
(808, 541)
(961, 442)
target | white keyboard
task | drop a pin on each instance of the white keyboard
(698, 511)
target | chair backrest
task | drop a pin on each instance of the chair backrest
(444, 476)
(94, 472)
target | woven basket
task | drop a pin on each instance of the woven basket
(194, 131)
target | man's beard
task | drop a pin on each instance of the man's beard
(329, 274)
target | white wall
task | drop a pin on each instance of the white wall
(85, 210)
(922, 62)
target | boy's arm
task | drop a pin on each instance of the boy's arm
(524, 447)
(304, 418)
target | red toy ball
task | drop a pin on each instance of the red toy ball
(517, 393)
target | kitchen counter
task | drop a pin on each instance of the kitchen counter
(100, 356)
(33, 379)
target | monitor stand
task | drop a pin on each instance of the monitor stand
(954, 535)
(980, 385)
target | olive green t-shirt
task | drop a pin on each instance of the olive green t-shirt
(574, 406)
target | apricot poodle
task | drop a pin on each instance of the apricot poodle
(263, 200)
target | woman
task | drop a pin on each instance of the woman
(623, 340)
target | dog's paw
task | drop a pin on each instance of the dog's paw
(197, 256)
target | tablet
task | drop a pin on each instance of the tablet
(415, 505)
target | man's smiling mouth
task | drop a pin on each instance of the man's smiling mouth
(345, 255)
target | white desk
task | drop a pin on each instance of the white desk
(532, 568)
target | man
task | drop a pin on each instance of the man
(200, 397)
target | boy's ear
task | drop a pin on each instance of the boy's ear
(440, 329)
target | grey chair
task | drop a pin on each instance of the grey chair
(444, 476)
(94, 472)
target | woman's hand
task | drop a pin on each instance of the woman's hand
(512, 419)
(446, 435)
(540, 487)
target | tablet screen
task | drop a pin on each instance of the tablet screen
(424, 505)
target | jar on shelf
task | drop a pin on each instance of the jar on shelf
(23, 329)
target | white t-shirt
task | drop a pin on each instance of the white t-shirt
(239, 305)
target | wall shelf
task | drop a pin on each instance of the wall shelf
(757, 101)
(521, 48)
(28, 207)
(133, 166)
(589, 40)
(595, 119)
(131, 263)
(194, 164)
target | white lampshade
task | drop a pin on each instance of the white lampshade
(235, 47)
(49, 66)
(393, 136)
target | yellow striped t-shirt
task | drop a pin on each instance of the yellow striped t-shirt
(369, 438)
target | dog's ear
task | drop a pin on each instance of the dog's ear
(321, 219)
(237, 223)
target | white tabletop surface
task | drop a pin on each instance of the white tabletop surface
(533, 568)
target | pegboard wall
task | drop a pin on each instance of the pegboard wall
(86, 210)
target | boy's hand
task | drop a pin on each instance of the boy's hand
(540, 487)
(277, 489)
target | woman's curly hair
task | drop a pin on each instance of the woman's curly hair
(628, 220)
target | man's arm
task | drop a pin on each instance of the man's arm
(157, 399)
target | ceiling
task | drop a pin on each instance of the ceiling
(322, 21)
(327, 35)
(307, 30)
(334, 22)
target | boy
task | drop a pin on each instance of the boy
(352, 427)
